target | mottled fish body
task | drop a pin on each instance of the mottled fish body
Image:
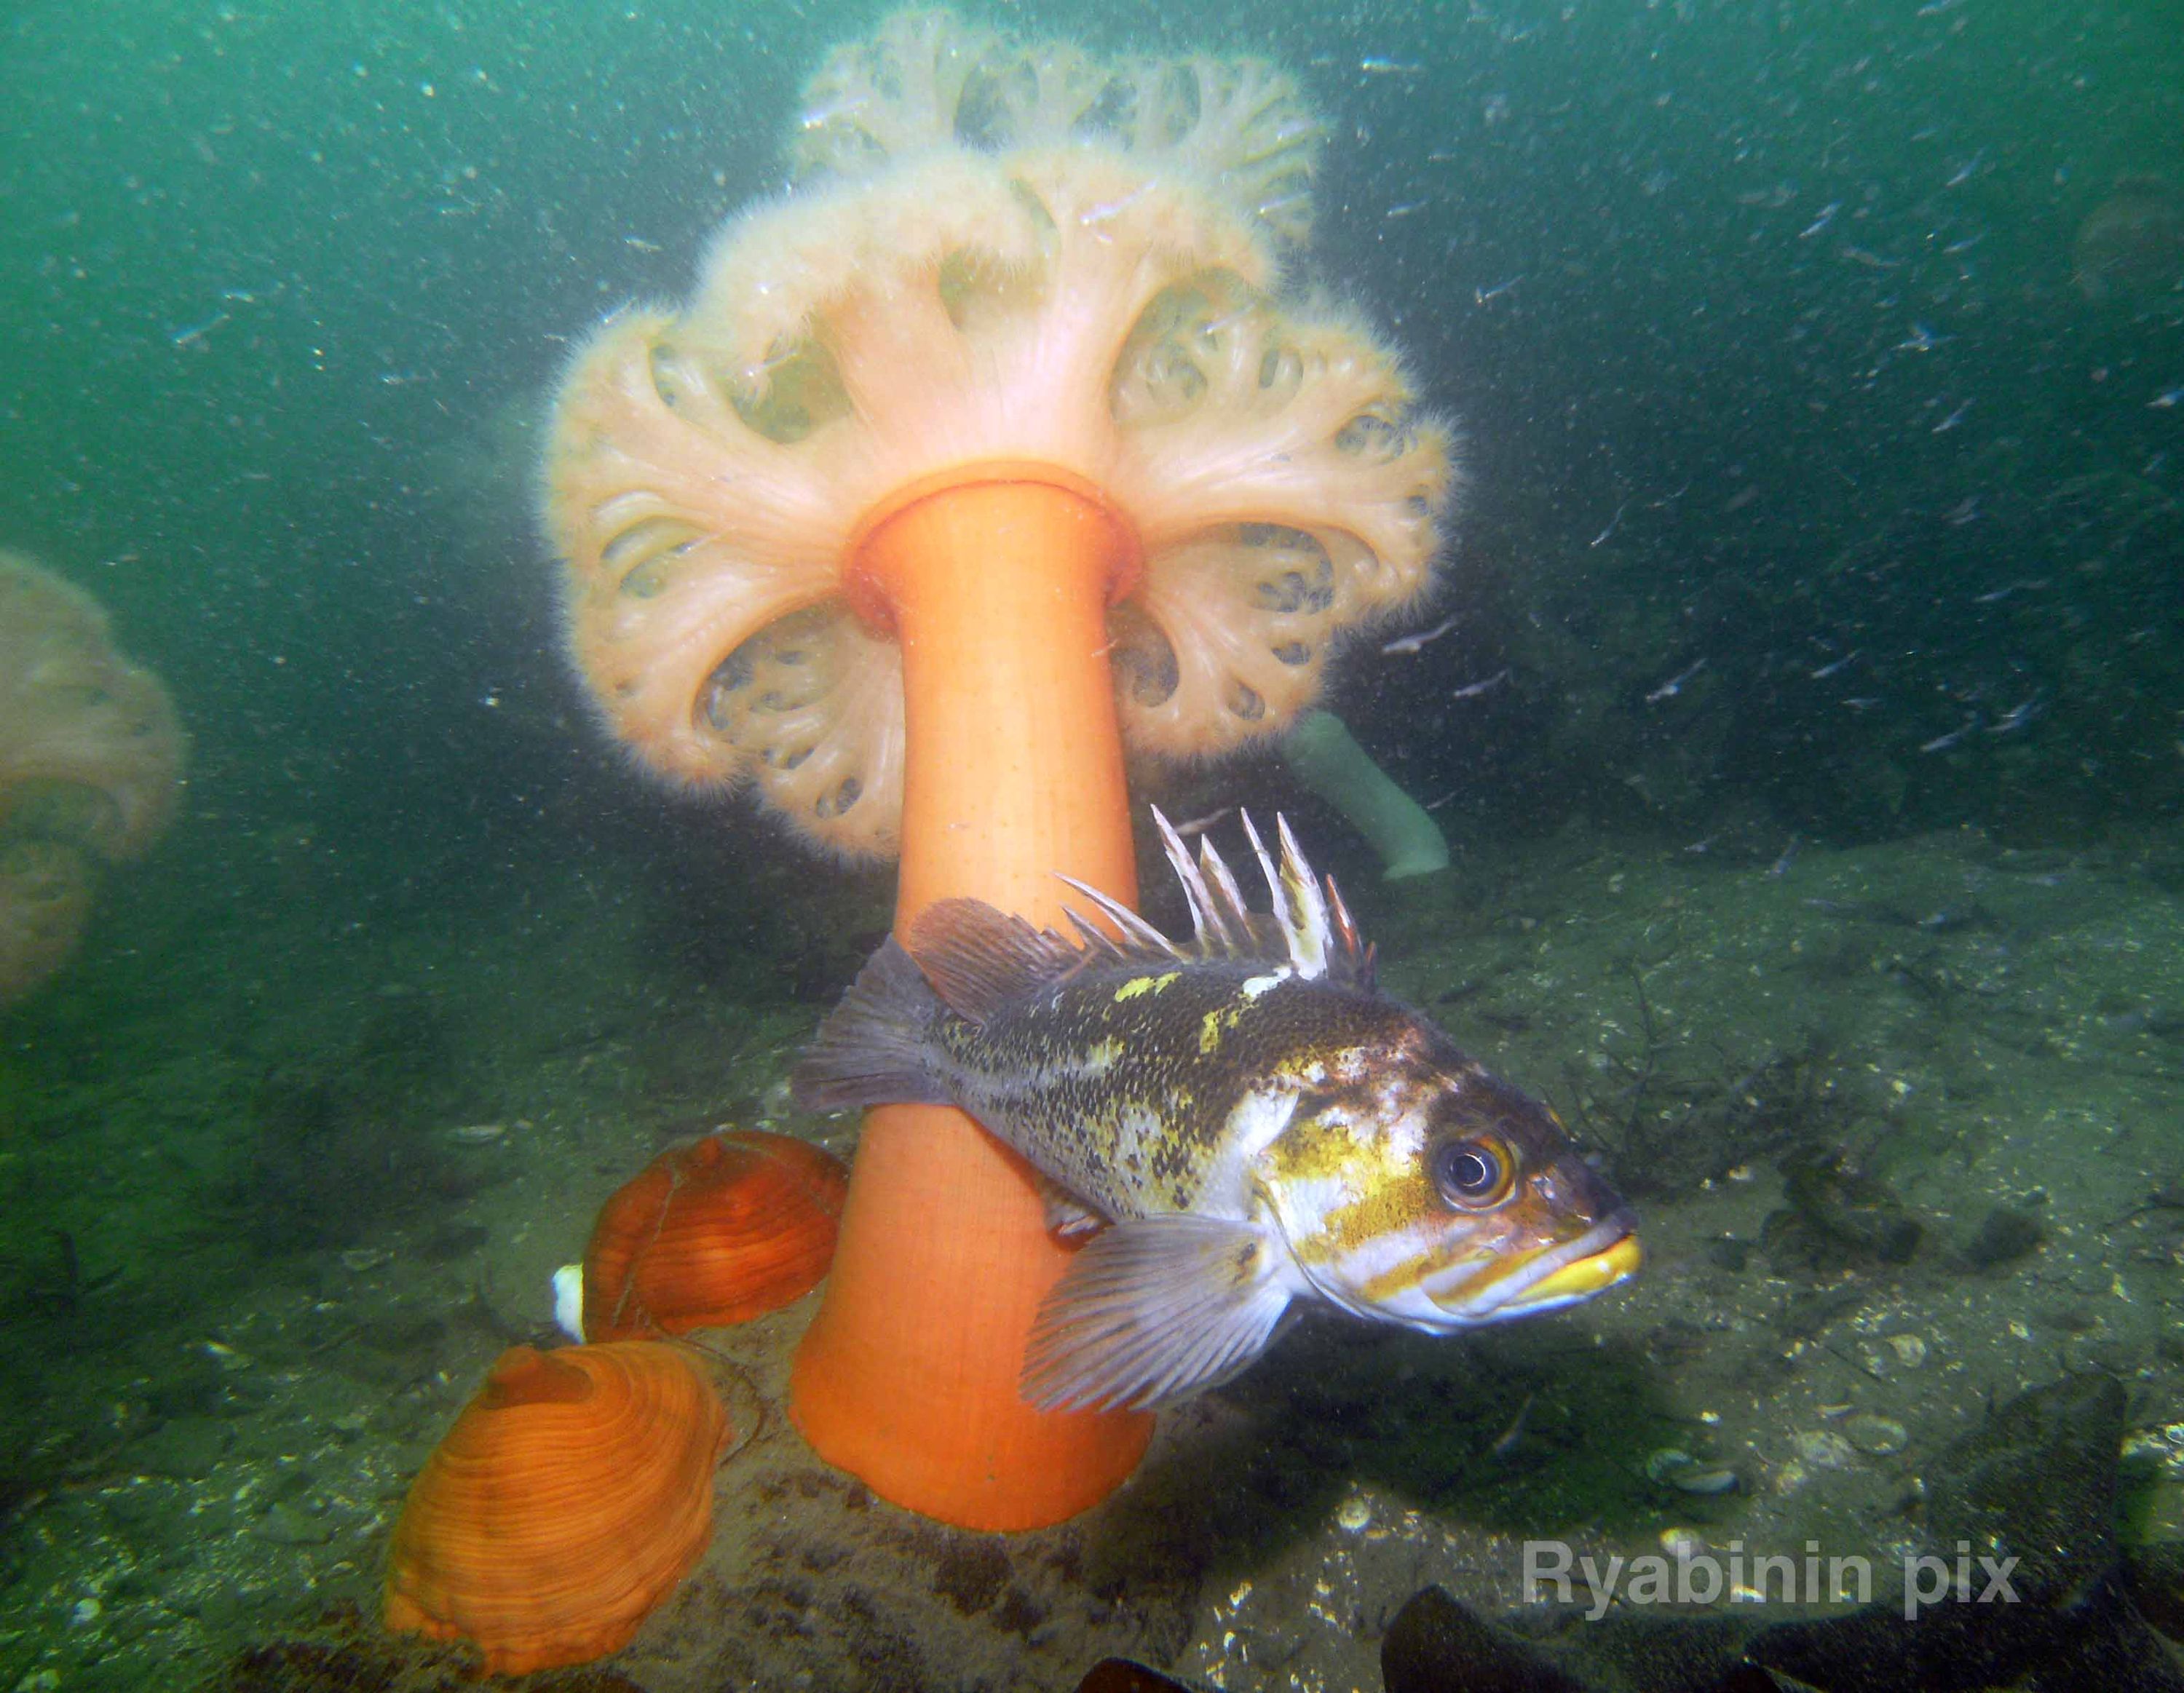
(1254, 1121)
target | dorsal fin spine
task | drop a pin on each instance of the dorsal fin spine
(1205, 920)
(1235, 916)
(1300, 905)
(1098, 942)
(1319, 937)
(1300, 957)
(1138, 934)
(1346, 928)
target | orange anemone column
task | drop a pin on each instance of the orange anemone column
(996, 583)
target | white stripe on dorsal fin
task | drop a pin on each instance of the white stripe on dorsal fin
(1233, 912)
(1214, 939)
(1297, 945)
(1301, 907)
(1139, 936)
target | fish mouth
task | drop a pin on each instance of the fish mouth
(1545, 1279)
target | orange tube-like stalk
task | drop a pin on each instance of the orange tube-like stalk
(997, 590)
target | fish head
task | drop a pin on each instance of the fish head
(1426, 1192)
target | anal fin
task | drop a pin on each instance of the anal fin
(1154, 1310)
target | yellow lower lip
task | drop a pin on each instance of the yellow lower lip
(1588, 1276)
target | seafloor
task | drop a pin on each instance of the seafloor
(1900, 1122)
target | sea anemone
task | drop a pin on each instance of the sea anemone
(91, 762)
(720, 1231)
(45, 896)
(993, 443)
(572, 1494)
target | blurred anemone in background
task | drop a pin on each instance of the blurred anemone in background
(90, 766)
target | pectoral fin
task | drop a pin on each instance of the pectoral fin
(1154, 1311)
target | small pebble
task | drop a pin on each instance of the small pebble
(1660, 1465)
(1910, 1350)
(1877, 1436)
(1354, 1516)
(1824, 1450)
(1686, 1474)
(1727, 1252)
(287, 1525)
(2004, 1237)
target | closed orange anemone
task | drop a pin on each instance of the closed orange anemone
(572, 1494)
(720, 1231)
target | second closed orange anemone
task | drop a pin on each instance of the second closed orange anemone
(720, 1231)
(572, 1494)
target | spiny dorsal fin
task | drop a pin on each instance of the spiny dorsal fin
(1354, 958)
(1140, 939)
(1235, 915)
(1310, 929)
(1298, 905)
(1215, 939)
(979, 960)
(1097, 941)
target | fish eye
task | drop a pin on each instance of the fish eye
(1473, 1174)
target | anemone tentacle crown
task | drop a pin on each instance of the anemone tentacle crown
(997, 254)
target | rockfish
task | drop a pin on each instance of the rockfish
(1252, 1121)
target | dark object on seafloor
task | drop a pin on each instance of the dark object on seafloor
(1120, 1675)
(1437, 1645)
(2037, 1483)
(1727, 1252)
(2155, 1576)
(1838, 1216)
(2004, 1235)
